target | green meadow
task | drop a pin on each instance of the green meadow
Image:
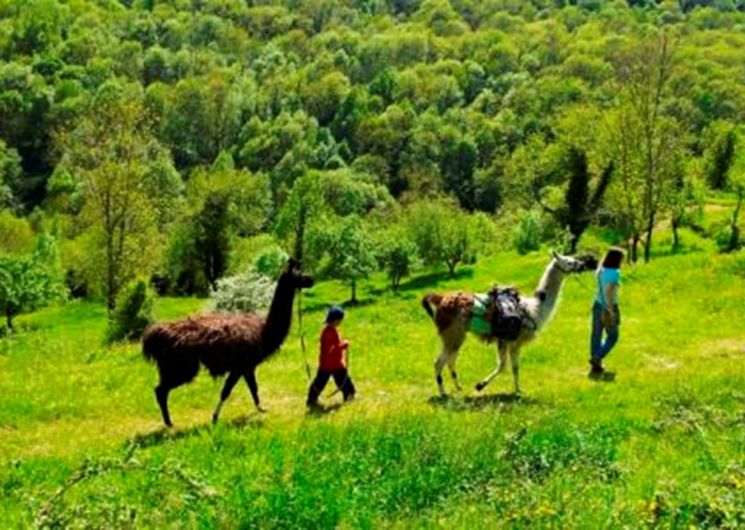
(81, 442)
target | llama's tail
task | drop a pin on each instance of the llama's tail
(428, 301)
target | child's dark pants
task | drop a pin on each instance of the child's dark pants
(341, 378)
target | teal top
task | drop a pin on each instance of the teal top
(606, 277)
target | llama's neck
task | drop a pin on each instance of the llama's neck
(278, 319)
(547, 293)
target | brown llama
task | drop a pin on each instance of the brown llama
(452, 315)
(224, 344)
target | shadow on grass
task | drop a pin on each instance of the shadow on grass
(321, 410)
(500, 400)
(165, 434)
(323, 306)
(433, 279)
(603, 377)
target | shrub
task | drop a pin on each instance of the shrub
(133, 312)
(527, 237)
(30, 282)
(270, 261)
(247, 293)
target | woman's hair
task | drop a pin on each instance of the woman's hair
(613, 258)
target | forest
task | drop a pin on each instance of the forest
(183, 142)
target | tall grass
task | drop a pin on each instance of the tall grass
(81, 443)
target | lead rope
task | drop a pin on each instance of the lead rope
(302, 335)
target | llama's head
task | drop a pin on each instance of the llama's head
(294, 275)
(579, 263)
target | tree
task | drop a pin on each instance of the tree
(31, 281)
(686, 192)
(441, 233)
(10, 176)
(736, 184)
(580, 206)
(304, 204)
(397, 256)
(108, 150)
(458, 167)
(212, 237)
(719, 154)
(351, 253)
(648, 140)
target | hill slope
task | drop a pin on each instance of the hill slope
(663, 443)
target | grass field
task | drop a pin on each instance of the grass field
(81, 442)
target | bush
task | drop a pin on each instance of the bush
(133, 312)
(527, 237)
(270, 262)
(247, 293)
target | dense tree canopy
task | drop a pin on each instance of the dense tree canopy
(266, 116)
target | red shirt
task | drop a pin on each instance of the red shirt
(332, 350)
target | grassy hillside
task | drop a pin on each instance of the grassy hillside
(81, 442)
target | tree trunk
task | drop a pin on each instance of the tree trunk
(110, 272)
(676, 237)
(635, 248)
(734, 241)
(9, 320)
(647, 246)
(354, 292)
(451, 268)
(648, 240)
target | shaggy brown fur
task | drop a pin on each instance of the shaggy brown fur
(448, 308)
(224, 344)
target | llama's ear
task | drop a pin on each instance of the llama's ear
(554, 254)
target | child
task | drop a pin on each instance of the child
(331, 361)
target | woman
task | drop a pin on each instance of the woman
(605, 314)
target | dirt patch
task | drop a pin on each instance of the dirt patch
(725, 348)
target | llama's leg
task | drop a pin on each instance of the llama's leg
(440, 363)
(515, 362)
(161, 394)
(452, 340)
(453, 373)
(501, 361)
(250, 377)
(226, 390)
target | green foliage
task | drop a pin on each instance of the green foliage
(109, 151)
(350, 251)
(16, 235)
(30, 281)
(719, 154)
(134, 312)
(270, 261)
(441, 233)
(10, 175)
(397, 256)
(303, 207)
(528, 234)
